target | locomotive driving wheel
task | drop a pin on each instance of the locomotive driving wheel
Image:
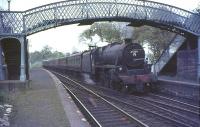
(141, 87)
(125, 88)
(106, 79)
(117, 86)
(111, 84)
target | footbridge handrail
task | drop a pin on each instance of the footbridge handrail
(75, 11)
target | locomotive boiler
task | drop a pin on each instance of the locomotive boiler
(127, 54)
(120, 66)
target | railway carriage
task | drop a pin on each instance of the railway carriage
(73, 62)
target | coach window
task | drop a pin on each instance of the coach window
(73, 60)
(66, 61)
(77, 60)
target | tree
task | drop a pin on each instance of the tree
(108, 32)
(35, 56)
(86, 35)
(46, 53)
(57, 54)
(156, 39)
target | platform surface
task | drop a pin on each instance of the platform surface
(178, 80)
(42, 104)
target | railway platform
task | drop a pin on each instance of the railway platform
(178, 87)
(44, 103)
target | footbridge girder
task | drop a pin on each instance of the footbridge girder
(70, 12)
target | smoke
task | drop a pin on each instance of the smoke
(88, 79)
(127, 32)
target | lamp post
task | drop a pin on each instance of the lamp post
(9, 4)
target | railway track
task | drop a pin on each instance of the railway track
(157, 112)
(186, 109)
(99, 111)
(182, 108)
(153, 112)
(175, 116)
(177, 100)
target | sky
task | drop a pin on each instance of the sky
(66, 38)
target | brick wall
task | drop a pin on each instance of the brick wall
(187, 64)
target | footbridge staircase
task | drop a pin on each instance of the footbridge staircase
(176, 42)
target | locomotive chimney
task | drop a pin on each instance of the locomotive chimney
(128, 40)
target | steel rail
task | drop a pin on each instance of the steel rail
(161, 108)
(169, 109)
(165, 104)
(142, 109)
(97, 95)
(84, 110)
(176, 101)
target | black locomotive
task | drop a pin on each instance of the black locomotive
(120, 66)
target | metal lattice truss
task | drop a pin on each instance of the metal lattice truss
(68, 12)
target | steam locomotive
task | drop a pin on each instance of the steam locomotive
(119, 66)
